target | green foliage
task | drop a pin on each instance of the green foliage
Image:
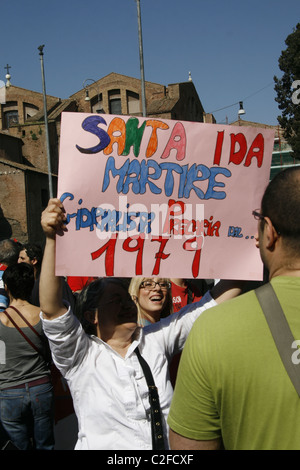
(33, 136)
(287, 94)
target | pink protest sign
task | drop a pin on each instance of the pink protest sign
(154, 197)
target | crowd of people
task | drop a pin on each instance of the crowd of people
(118, 341)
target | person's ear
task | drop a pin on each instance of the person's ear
(34, 261)
(270, 232)
(90, 316)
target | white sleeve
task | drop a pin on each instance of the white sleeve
(68, 341)
(173, 330)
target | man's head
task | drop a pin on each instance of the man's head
(280, 210)
(9, 252)
(31, 254)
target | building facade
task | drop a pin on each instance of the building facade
(24, 162)
(282, 156)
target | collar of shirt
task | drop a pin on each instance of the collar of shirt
(131, 349)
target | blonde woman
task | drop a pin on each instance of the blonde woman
(153, 298)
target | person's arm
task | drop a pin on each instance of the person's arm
(226, 289)
(178, 442)
(53, 222)
(176, 327)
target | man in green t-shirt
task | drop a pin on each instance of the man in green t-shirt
(232, 389)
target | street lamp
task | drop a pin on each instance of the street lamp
(241, 110)
(87, 96)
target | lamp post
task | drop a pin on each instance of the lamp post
(241, 111)
(87, 97)
(141, 57)
(40, 48)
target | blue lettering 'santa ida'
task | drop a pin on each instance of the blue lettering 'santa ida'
(90, 124)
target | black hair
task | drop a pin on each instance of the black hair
(19, 279)
(88, 299)
(281, 203)
(34, 251)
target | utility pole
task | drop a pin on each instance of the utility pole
(141, 58)
(40, 48)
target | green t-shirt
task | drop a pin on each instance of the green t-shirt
(231, 381)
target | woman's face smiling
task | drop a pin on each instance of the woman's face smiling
(152, 301)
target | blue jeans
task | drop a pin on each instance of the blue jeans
(27, 416)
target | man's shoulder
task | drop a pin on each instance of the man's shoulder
(286, 282)
(237, 302)
(230, 311)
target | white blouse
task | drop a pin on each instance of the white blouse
(110, 393)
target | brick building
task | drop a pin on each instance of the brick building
(282, 153)
(23, 156)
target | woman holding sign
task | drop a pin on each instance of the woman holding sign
(103, 358)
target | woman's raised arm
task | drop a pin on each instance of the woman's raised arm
(50, 289)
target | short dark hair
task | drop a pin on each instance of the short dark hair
(19, 279)
(281, 203)
(88, 299)
(34, 251)
(9, 251)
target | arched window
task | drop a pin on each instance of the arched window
(29, 110)
(133, 102)
(11, 118)
(114, 98)
(96, 104)
(10, 114)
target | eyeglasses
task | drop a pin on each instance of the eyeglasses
(257, 215)
(150, 285)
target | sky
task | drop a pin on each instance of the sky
(231, 47)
